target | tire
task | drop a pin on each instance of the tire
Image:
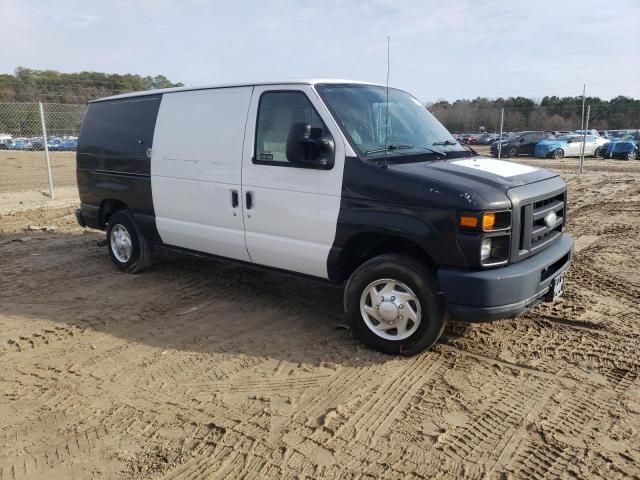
(557, 154)
(122, 231)
(512, 152)
(402, 277)
(596, 152)
(632, 155)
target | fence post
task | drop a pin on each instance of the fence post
(584, 91)
(584, 138)
(46, 150)
(500, 137)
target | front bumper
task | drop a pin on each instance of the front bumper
(479, 296)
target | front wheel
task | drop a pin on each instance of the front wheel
(393, 305)
(512, 152)
(632, 155)
(558, 154)
(128, 248)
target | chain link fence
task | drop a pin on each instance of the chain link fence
(562, 131)
(38, 144)
(38, 140)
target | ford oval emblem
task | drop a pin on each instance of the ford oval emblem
(550, 219)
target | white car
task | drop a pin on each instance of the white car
(569, 146)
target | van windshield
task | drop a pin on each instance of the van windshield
(360, 110)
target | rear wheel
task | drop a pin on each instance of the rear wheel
(557, 154)
(128, 248)
(596, 152)
(632, 155)
(512, 152)
(393, 305)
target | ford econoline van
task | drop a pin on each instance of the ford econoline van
(344, 181)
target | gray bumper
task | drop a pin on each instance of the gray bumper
(477, 296)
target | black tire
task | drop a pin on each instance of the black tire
(557, 154)
(140, 255)
(632, 155)
(512, 152)
(423, 284)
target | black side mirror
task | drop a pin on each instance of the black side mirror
(306, 147)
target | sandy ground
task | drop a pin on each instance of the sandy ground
(202, 369)
(24, 182)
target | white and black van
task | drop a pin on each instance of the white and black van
(343, 181)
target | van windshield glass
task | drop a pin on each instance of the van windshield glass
(360, 111)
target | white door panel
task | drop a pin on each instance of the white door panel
(292, 222)
(194, 217)
(196, 163)
(291, 230)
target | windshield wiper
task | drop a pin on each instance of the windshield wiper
(471, 150)
(394, 147)
(390, 148)
(446, 143)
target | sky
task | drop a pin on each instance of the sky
(440, 49)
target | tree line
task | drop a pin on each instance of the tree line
(551, 113)
(50, 86)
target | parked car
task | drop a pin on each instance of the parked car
(485, 139)
(568, 146)
(5, 142)
(69, 144)
(37, 143)
(625, 148)
(560, 133)
(21, 144)
(53, 143)
(465, 138)
(593, 132)
(321, 190)
(520, 143)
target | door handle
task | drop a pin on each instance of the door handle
(234, 198)
(249, 200)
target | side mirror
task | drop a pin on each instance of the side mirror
(306, 147)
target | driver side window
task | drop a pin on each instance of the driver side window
(277, 113)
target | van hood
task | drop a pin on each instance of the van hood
(500, 174)
(480, 182)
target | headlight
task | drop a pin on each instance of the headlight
(485, 221)
(485, 249)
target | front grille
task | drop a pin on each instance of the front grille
(535, 234)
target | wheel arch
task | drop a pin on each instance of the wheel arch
(364, 246)
(108, 207)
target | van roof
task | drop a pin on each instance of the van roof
(297, 81)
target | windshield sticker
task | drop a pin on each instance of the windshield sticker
(497, 167)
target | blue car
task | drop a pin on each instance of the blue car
(67, 145)
(21, 144)
(53, 143)
(569, 146)
(625, 148)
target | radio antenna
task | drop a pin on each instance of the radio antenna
(386, 113)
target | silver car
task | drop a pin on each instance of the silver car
(569, 146)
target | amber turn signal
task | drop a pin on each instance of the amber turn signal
(488, 221)
(468, 222)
